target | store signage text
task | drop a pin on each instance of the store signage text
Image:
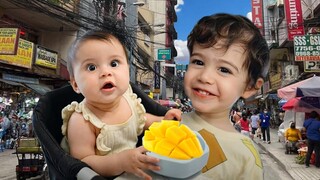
(257, 14)
(307, 48)
(294, 18)
(46, 57)
(164, 54)
(24, 55)
(312, 66)
(9, 38)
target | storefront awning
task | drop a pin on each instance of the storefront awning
(12, 83)
(39, 88)
(273, 96)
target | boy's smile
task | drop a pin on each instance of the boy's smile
(202, 93)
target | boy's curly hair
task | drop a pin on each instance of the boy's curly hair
(231, 29)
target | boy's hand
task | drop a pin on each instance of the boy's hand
(136, 161)
(173, 114)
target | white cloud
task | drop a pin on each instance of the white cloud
(183, 52)
(178, 6)
(249, 15)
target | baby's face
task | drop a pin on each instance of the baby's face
(215, 78)
(101, 71)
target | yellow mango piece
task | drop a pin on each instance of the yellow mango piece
(157, 132)
(168, 123)
(164, 147)
(169, 138)
(188, 147)
(175, 134)
(189, 132)
(148, 136)
(177, 153)
(198, 150)
(150, 144)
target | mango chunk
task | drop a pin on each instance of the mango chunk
(148, 135)
(164, 147)
(172, 139)
(175, 134)
(179, 154)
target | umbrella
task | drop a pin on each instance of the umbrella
(303, 104)
(168, 103)
(307, 87)
(311, 88)
(282, 102)
(291, 104)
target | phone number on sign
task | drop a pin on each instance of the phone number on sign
(308, 53)
(307, 48)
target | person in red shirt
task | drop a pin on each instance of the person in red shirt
(245, 125)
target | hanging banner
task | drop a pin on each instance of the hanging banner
(157, 77)
(257, 14)
(9, 38)
(294, 18)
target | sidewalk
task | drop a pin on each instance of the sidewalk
(277, 151)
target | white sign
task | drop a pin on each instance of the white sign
(312, 66)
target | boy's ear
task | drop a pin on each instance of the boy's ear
(74, 85)
(250, 91)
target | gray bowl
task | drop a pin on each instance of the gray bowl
(176, 168)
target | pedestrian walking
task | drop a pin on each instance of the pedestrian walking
(245, 125)
(254, 121)
(265, 126)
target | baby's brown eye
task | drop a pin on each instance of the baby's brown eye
(91, 67)
(115, 63)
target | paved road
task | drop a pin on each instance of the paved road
(272, 170)
(8, 162)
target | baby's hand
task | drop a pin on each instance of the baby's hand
(135, 161)
(173, 114)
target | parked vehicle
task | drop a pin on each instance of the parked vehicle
(31, 162)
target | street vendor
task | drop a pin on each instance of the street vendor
(292, 137)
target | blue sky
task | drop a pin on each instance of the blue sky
(190, 11)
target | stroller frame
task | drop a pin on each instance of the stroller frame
(47, 124)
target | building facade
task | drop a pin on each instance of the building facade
(284, 23)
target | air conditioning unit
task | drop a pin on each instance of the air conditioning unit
(291, 72)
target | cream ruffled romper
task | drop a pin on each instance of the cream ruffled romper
(112, 138)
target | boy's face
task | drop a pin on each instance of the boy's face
(215, 78)
(101, 71)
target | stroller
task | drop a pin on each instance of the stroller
(47, 124)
